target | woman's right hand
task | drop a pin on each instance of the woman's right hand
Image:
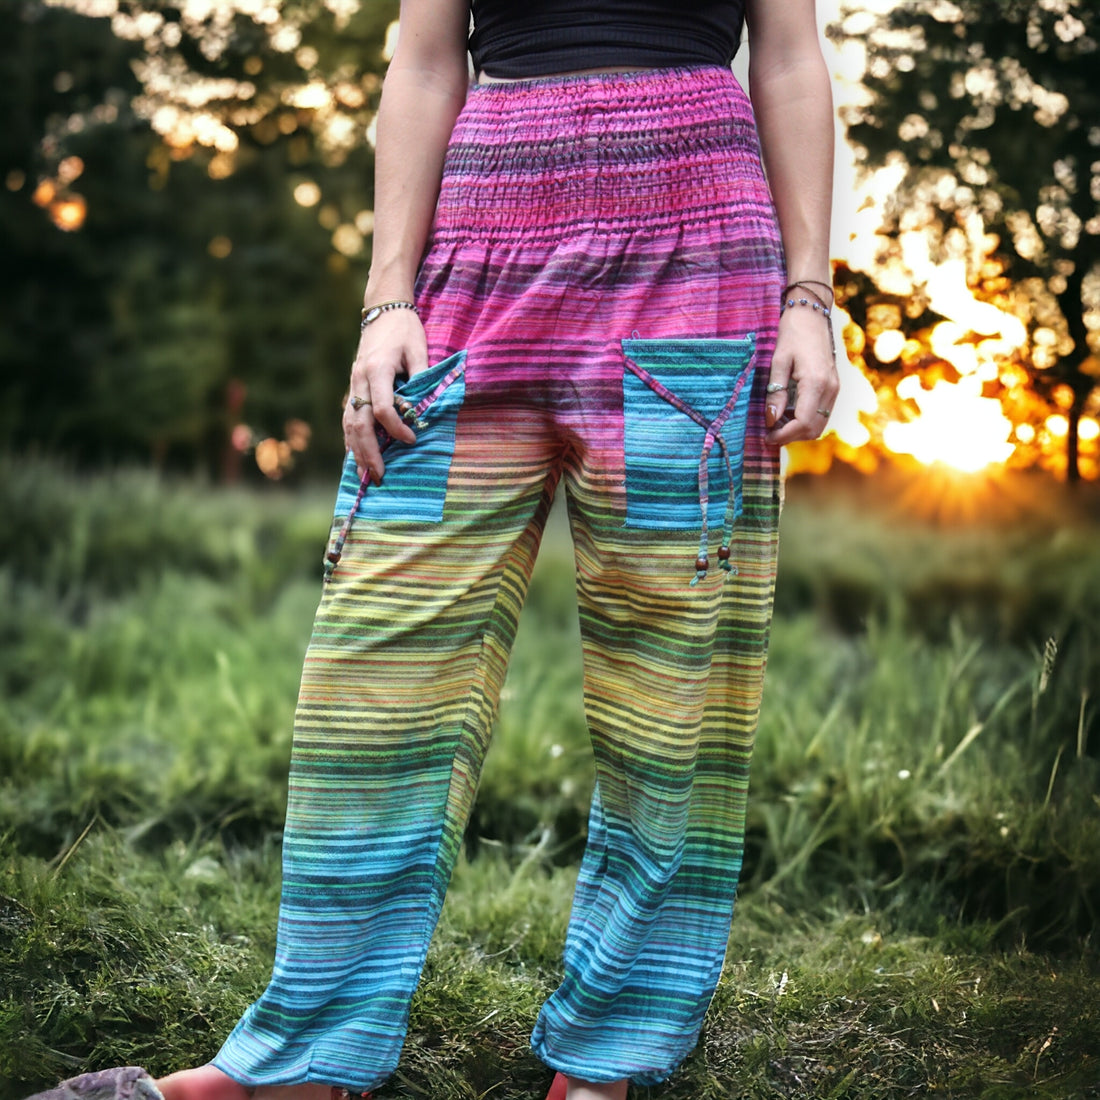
(393, 346)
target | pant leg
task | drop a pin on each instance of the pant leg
(399, 690)
(673, 679)
(634, 236)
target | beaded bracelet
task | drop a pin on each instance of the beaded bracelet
(370, 314)
(817, 307)
(807, 284)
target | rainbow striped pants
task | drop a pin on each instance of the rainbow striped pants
(600, 294)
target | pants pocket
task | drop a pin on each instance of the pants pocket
(685, 411)
(414, 488)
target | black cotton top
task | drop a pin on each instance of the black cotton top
(524, 38)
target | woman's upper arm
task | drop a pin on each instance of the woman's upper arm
(432, 38)
(782, 34)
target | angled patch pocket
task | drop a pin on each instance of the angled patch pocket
(685, 411)
(414, 487)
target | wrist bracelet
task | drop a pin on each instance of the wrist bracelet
(370, 314)
(807, 285)
(817, 307)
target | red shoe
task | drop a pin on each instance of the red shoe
(558, 1088)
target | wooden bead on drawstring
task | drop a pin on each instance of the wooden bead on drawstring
(702, 563)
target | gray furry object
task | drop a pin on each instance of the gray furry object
(124, 1083)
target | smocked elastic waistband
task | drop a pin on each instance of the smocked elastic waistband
(670, 77)
(600, 151)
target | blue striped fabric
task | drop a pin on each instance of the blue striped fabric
(662, 470)
(428, 462)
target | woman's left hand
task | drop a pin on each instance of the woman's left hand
(804, 353)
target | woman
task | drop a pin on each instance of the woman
(577, 276)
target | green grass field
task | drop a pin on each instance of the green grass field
(922, 879)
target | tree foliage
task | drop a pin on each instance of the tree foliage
(186, 208)
(995, 107)
(186, 216)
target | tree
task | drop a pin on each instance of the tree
(995, 106)
(186, 217)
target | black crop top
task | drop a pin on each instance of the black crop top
(524, 38)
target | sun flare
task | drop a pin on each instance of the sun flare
(957, 426)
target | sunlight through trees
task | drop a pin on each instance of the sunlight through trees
(986, 119)
(188, 204)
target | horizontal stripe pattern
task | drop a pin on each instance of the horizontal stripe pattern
(575, 214)
(667, 380)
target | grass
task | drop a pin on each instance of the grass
(923, 855)
(140, 961)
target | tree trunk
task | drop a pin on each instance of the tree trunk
(1073, 465)
(1073, 307)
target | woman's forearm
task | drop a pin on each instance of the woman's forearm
(421, 98)
(792, 100)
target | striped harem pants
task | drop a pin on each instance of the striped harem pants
(600, 293)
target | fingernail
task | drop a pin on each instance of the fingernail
(769, 415)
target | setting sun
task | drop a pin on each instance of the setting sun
(957, 426)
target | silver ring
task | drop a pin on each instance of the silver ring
(776, 387)
(358, 402)
(825, 413)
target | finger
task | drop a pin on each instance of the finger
(368, 453)
(361, 430)
(360, 438)
(792, 431)
(776, 398)
(808, 422)
(820, 402)
(386, 414)
(416, 359)
(781, 389)
(808, 408)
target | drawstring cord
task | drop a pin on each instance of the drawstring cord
(713, 429)
(727, 526)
